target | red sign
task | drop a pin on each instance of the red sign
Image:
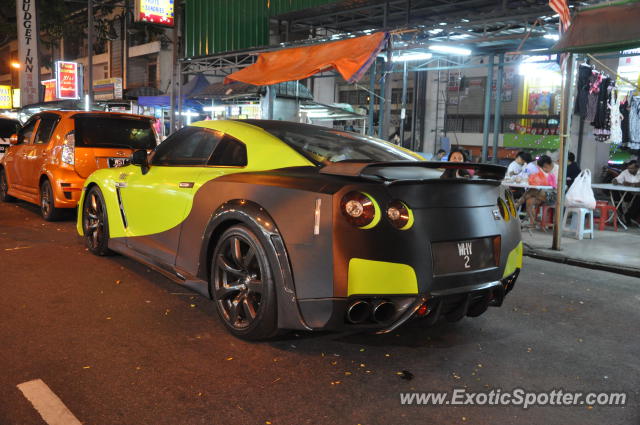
(155, 12)
(67, 80)
(49, 90)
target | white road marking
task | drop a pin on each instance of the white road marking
(50, 407)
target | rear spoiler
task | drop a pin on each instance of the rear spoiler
(412, 170)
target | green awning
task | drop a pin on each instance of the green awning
(606, 28)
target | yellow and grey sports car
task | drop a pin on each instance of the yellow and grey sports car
(294, 226)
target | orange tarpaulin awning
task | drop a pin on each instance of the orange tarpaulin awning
(351, 58)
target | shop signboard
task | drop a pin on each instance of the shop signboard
(155, 12)
(16, 98)
(28, 51)
(6, 97)
(107, 89)
(67, 77)
(49, 90)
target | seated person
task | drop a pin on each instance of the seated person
(517, 165)
(573, 169)
(537, 197)
(630, 177)
(440, 155)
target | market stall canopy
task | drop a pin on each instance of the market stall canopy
(351, 58)
(235, 89)
(605, 28)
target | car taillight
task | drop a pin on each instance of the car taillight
(504, 212)
(511, 205)
(400, 216)
(68, 148)
(360, 209)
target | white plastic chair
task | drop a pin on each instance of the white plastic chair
(578, 218)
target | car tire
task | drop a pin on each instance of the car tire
(242, 284)
(4, 188)
(95, 223)
(47, 203)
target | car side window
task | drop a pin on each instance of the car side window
(230, 152)
(45, 129)
(25, 133)
(190, 146)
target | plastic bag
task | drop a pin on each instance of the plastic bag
(580, 194)
(538, 179)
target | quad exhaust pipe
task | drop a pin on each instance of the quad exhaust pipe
(383, 311)
(360, 311)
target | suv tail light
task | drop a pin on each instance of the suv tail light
(360, 209)
(69, 148)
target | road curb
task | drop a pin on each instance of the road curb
(559, 258)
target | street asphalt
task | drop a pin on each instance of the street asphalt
(120, 344)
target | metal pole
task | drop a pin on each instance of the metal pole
(497, 114)
(565, 134)
(487, 109)
(372, 98)
(386, 120)
(179, 76)
(90, 49)
(125, 50)
(414, 108)
(403, 111)
(172, 93)
(271, 99)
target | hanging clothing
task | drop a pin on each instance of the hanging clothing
(634, 122)
(602, 121)
(624, 111)
(615, 118)
(582, 89)
(592, 98)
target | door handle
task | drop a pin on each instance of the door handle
(185, 185)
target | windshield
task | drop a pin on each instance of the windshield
(117, 131)
(326, 145)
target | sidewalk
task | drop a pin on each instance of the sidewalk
(617, 252)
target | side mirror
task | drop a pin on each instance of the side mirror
(13, 139)
(140, 158)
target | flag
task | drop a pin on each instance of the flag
(562, 9)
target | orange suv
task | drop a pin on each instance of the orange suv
(55, 151)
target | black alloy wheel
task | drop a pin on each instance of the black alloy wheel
(47, 204)
(4, 188)
(94, 223)
(242, 284)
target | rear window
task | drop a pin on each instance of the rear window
(114, 132)
(8, 127)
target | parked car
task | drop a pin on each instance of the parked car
(55, 151)
(294, 226)
(8, 127)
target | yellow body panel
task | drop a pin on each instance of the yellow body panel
(514, 261)
(155, 203)
(368, 277)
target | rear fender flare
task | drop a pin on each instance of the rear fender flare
(256, 218)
